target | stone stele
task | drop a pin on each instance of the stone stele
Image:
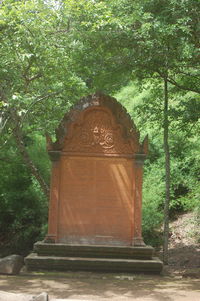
(96, 192)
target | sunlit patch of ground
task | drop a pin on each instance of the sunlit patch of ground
(99, 286)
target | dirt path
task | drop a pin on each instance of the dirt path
(115, 287)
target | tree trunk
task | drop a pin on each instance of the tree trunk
(167, 174)
(17, 133)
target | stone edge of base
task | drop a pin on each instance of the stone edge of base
(52, 263)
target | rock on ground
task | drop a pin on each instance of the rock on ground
(4, 296)
(41, 297)
(11, 264)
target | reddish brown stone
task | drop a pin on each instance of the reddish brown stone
(96, 183)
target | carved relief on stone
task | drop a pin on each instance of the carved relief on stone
(97, 132)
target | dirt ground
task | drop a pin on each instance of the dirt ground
(99, 286)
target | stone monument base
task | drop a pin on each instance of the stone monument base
(62, 257)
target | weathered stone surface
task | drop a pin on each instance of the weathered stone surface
(37, 263)
(11, 264)
(41, 297)
(5, 296)
(58, 249)
(96, 181)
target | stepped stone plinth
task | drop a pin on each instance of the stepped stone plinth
(62, 257)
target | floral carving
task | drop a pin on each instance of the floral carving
(97, 132)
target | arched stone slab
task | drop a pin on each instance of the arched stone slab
(97, 182)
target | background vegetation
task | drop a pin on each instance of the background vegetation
(54, 52)
(185, 156)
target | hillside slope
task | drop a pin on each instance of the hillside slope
(184, 247)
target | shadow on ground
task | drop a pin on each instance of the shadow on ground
(93, 286)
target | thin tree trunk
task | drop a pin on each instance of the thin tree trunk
(167, 174)
(17, 133)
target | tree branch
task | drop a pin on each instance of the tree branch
(173, 82)
(4, 125)
(182, 87)
(17, 133)
(36, 101)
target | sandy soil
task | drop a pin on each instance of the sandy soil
(99, 286)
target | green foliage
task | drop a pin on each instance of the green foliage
(153, 196)
(144, 105)
(23, 207)
(38, 153)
